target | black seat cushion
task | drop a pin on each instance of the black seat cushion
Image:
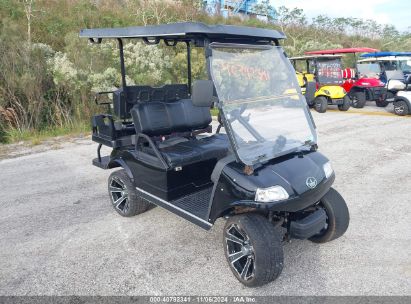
(196, 150)
(163, 118)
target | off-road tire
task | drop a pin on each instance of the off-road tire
(358, 100)
(382, 103)
(401, 108)
(133, 203)
(346, 104)
(266, 244)
(320, 104)
(338, 217)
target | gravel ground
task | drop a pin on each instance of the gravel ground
(60, 236)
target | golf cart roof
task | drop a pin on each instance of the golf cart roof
(307, 57)
(184, 31)
(385, 58)
(343, 51)
(385, 54)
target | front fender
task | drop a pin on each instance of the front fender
(234, 188)
(333, 92)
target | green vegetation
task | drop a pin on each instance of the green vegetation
(48, 76)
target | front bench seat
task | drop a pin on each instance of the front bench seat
(196, 150)
(156, 119)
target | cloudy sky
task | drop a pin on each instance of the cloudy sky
(396, 12)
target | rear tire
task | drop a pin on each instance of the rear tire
(346, 104)
(123, 195)
(320, 104)
(253, 249)
(358, 100)
(401, 108)
(381, 103)
(338, 217)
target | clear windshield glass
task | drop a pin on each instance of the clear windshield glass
(329, 71)
(259, 96)
(371, 70)
(405, 65)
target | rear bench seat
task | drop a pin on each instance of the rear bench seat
(165, 118)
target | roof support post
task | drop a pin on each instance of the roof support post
(122, 66)
(188, 66)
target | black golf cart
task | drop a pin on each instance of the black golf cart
(263, 174)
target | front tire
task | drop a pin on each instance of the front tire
(253, 249)
(338, 217)
(123, 195)
(358, 100)
(401, 108)
(346, 104)
(320, 104)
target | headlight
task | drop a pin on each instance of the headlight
(272, 194)
(328, 169)
(326, 92)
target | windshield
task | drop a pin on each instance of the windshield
(371, 70)
(259, 96)
(405, 65)
(329, 71)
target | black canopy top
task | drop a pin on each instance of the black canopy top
(184, 30)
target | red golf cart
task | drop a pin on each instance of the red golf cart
(362, 83)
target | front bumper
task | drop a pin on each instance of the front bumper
(337, 101)
(308, 226)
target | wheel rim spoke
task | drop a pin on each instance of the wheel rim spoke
(119, 201)
(246, 269)
(115, 189)
(233, 238)
(234, 257)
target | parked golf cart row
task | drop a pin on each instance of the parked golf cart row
(394, 69)
(264, 174)
(321, 73)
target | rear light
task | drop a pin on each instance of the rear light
(317, 86)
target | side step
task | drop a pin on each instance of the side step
(103, 164)
(193, 207)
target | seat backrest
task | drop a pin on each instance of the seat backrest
(163, 118)
(124, 100)
(348, 73)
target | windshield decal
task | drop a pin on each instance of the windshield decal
(329, 71)
(249, 72)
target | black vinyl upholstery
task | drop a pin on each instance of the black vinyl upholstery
(196, 150)
(170, 119)
(125, 98)
(164, 118)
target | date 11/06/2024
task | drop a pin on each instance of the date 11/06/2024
(202, 299)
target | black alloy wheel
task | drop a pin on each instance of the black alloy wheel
(124, 196)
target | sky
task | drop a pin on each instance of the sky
(395, 12)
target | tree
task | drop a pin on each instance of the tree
(264, 8)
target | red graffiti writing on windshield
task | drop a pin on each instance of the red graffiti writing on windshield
(330, 70)
(251, 73)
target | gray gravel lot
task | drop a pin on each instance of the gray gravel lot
(60, 236)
